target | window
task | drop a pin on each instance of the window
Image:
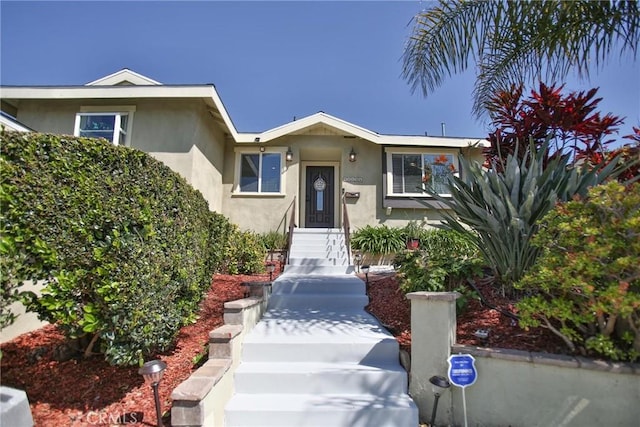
(112, 124)
(410, 173)
(260, 172)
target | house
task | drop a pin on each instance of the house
(309, 165)
(10, 124)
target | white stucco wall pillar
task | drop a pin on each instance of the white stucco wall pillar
(433, 332)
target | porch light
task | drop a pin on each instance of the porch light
(352, 155)
(262, 148)
(289, 155)
(281, 261)
(365, 270)
(439, 385)
(152, 373)
(357, 258)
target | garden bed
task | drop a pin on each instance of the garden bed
(81, 392)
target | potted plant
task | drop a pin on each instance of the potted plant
(412, 231)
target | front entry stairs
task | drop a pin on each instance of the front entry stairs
(317, 358)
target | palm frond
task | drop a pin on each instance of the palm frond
(517, 42)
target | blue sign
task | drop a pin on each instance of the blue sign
(462, 370)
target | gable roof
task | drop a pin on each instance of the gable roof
(343, 127)
(123, 77)
(126, 83)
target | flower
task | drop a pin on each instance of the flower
(441, 160)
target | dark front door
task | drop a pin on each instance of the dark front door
(319, 204)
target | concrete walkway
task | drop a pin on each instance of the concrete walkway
(318, 359)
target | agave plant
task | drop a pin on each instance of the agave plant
(503, 208)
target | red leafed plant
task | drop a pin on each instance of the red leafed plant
(570, 122)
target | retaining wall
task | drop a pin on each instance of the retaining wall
(515, 388)
(201, 398)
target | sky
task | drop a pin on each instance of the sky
(270, 61)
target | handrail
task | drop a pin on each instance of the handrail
(292, 225)
(346, 227)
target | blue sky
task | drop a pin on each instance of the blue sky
(270, 61)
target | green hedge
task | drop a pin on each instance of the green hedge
(126, 246)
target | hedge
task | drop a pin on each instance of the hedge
(125, 246)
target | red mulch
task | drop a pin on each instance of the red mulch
(83, 392)
(392, 308)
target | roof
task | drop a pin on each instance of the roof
(123, 77)
(10, 123)
(343, 127)
(129, 84)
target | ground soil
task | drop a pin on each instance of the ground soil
(82, 392)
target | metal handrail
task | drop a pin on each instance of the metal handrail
(346, 227)
(292, 225)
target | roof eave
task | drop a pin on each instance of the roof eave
(206, 92)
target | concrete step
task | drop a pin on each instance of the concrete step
(325, 410)
(318, 283)
(318, 301)
(331, 239)
(317, 349)
(320, 262)
(322, 231)
(318, 252)
(320, 378)
(314, 269)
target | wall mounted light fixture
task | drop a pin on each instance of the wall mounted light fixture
(262, 148)
(352, 155)
(289, 155)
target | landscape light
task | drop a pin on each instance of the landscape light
(152, 373)
(439, 385)
(271, 267)
(358, 259)
(365, 270)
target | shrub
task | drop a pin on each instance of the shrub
(380, 240)
(273, 240)
(124, 244)
(221, 230)
(444, 262)
(503, 208)
(586, 283)
(244, 254)
(571, 122)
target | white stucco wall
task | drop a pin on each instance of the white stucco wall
(364, 176)
(49, 116)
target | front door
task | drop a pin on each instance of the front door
(319, 203)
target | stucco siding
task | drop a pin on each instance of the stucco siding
(185, 137)
(49, 116)
(365, 176)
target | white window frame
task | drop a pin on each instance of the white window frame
(389, 152)
(117, 111)
(255, 150)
